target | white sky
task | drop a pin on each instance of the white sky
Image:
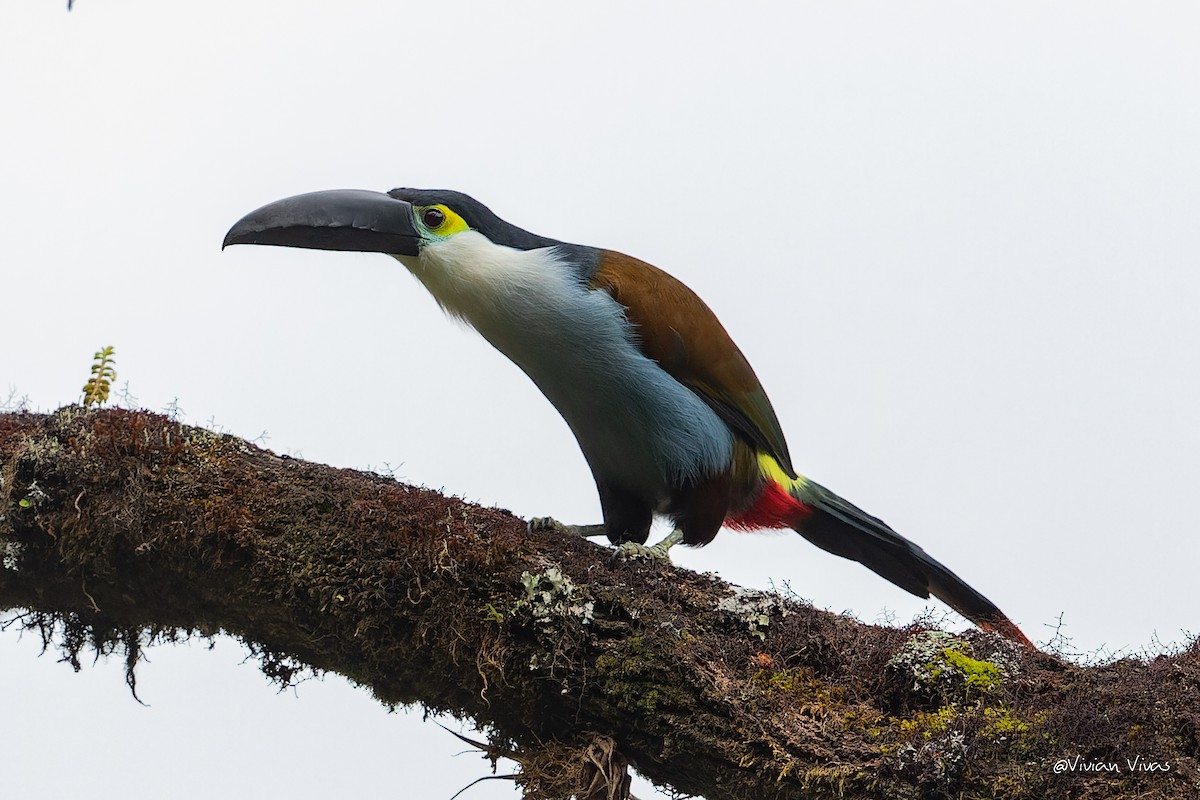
(958, 242)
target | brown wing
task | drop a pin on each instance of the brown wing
(678, 331)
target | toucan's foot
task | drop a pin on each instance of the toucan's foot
(661, 550)
(551, 524)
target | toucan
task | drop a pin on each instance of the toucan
(667, 410)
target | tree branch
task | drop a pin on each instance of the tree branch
(119, 526)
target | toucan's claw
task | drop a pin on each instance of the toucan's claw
(551, 524)
(537, 524)
(631, 550)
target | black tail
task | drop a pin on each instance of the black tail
(845, 530)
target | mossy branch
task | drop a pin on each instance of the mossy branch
(121, 527)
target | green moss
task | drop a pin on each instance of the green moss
(871, 723)
(979, 676)
(1001, 724)
(805, 692)
(833, 780)
(944, 670)
(928, 724)
(637, 677)
(787, 681)
(1022, 737)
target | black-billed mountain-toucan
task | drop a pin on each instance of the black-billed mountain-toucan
(668, 412)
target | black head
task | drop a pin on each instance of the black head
(476, 215)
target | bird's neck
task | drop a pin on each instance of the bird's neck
(478, 281)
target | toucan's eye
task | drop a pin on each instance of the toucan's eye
(433, 218)
(441, 221)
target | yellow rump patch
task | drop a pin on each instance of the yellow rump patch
(771, 470)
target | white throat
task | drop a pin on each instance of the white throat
(478, 281)
(634, 422)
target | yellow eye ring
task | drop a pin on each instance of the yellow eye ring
(441, 220)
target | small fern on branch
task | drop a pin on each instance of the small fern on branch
(95, 391)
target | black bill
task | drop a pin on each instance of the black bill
(339, 219)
